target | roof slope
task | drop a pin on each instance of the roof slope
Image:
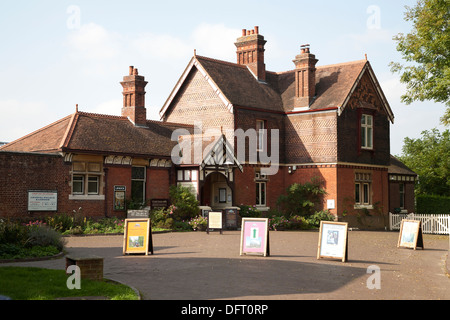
(88, 132)
(239, 85)
(45, 140)
(334, 84)
(398, 167)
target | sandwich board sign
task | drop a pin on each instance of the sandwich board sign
(333, 240)
(410, 234)
(214, 221)
(137, 236)
(255, 236)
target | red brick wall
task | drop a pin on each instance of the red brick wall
(325, 173)
(197, 101)
(375, 218)
(158, 183)
(20, 172)
(311, 137)
(394, 196)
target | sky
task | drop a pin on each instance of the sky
(55, 54)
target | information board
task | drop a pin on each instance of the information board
(333, 240)
(255, 236)
(42, 200)
(137, 236)
(214, 221)
(410, 234)
(119, 197)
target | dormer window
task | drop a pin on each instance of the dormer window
(366, 131)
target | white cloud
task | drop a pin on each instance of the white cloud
(215, 40)
(93, 42)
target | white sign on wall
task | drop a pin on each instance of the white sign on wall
(42, 200)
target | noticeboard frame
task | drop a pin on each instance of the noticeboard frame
(410, 235)
(333, 240)
(216, 224)
(141, 236)
(255, 237)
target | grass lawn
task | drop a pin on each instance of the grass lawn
(25, 283)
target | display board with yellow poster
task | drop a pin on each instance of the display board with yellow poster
(137, 237)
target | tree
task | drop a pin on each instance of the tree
(427, 48)
(429, 157)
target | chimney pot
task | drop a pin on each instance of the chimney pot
(134, 97)
(305, 77)
(250, 52)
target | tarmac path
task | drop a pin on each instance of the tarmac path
(198, 266)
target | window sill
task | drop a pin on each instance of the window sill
(262, 208)
(363, 206)
(86, 197)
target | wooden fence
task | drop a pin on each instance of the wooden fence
(431, 223)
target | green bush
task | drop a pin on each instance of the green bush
(185, 203)
(249, 211)
(198, 223)
(44, 236)
(301, 199)
(12, 232)
(162, 218)
(314, 220)
(432, 204)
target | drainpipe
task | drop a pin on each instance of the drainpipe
(105, 170)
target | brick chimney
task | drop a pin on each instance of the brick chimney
(134, 97)
(250, 52)
(305, 77)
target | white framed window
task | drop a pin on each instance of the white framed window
(86, 178)
(93, 184)
(366, 131)
(187, 175)
(363, 189)
(260, 131)
(78, 184)
(261, 193)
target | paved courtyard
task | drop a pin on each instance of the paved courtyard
(198, 266)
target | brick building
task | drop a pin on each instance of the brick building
(244, 135)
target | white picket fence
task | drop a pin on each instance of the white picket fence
(431, 223)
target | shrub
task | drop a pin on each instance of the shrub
(198, 223)
(314, 220)
(432, 204)
(249, 211)
(301, 199)
(12, 232)
(43, 236)
(184, 202)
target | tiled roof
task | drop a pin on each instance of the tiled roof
(333, 84)
(239, 86)
(87, 132)
(44, 140)
(398, 167)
